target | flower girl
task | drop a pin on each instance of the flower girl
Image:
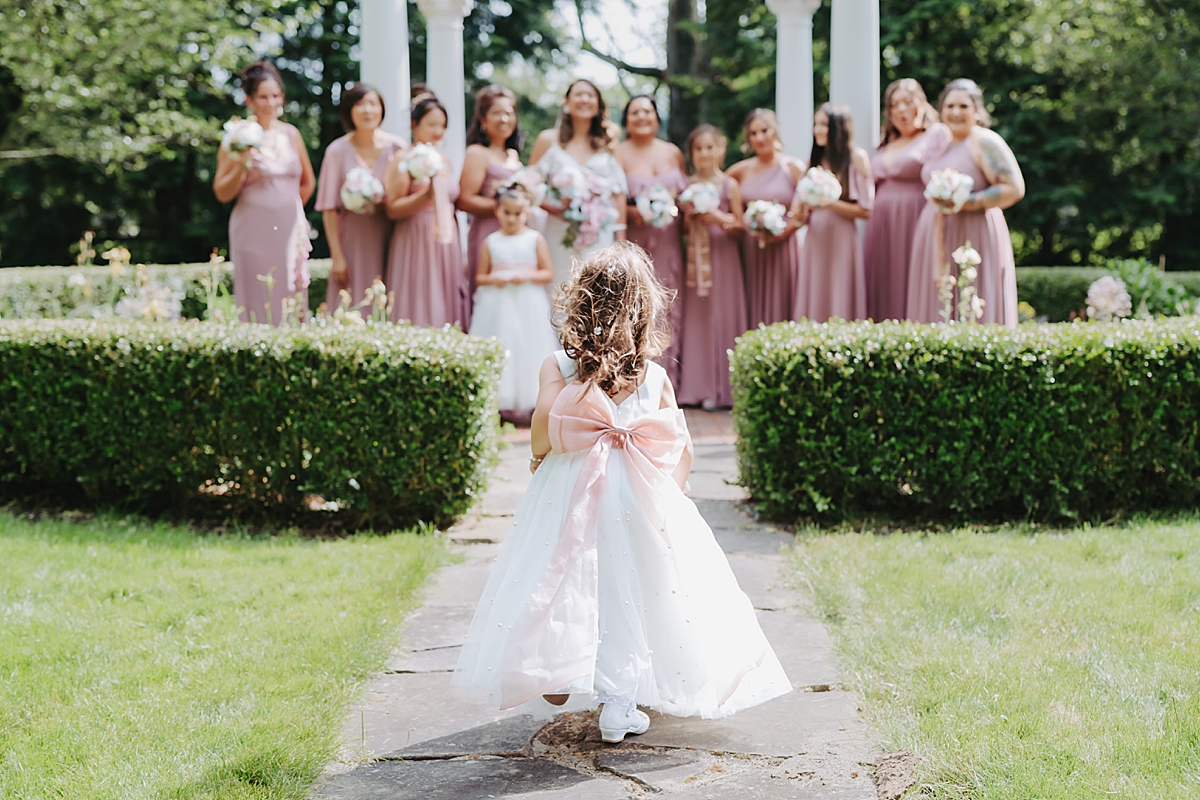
(609, 582)
(511, 301)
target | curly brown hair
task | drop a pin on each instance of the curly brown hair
(612, 316)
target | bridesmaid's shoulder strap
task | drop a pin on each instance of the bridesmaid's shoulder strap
(566, 365)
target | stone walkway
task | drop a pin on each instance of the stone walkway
(413, 737)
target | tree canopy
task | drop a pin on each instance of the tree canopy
(110, 109)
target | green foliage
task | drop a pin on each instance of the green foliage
(1154, 293)
(1058, 292)
(394, 424)
(969, 422)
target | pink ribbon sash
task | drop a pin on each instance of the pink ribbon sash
(553, 641)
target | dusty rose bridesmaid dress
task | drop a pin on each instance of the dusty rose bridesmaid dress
(424, 269)
(268, 234)
(663, 245)
(480, 229)
(772, 271)
(711, 323)
(832, 283)
(364, 237)
(988, 233)
(899, 199)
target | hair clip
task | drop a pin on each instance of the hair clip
(597, 330)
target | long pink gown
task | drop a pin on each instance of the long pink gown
(268, 234)
(364, 237)
(663, 245)
(832, 281)
(899, 199)
(985, 230)
(481, 228)
(772, 271)
(711, 323)
(425, 263)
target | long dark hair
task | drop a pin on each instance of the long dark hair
(643, 96)
(349, 100)
(600, 130)
(254, 75)
(424, 101)
(484, 99)
(836, 152)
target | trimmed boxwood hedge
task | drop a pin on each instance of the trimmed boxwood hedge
(45, 292)
(985, 423)
(393, 423)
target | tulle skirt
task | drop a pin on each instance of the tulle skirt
(674, 632)
(519, 316)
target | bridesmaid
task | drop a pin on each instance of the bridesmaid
(582, 142)
(977, 151)
(772, 263)
(911, 138)
(832, 283)
(358, 243)
(268, 234)
(493, 145)
(650, 162)
(425, 265)
(715, 308)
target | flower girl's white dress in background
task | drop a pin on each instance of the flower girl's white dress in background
(609, 581)
(518, 315)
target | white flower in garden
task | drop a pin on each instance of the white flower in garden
(76, 281)
(1108, 299)
(361, 191)
(819, 188)
(242, 134)
(703, 196)
(423, 161)
(949, 186)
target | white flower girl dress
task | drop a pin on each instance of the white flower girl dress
(518, 315)
(609, 581)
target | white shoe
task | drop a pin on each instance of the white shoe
(616, 721)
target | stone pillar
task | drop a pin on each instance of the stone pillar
(444, 71)
(854, 66)
(384, 43)
(794, 73)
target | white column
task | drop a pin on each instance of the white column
(794, 73)
(854, 65)
(444, 70)
(384, 43)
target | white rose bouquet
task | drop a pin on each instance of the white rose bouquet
(819, 188)
(361, 191)
(423, 161)
(949, 186)
(242, 134)
(764, 217)
(657, 206)
(702, 196)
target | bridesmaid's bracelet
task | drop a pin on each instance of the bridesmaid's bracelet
(537, 460)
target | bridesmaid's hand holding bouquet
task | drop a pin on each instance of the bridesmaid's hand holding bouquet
(241, 135)
(423, 162)
(949, 189)
(819, 188)
(361, 191)
(765, 218)
(656, 207)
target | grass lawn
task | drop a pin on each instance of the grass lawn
(1020, 664)
(140, 660)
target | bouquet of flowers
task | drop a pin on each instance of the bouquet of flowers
(657, 206)
(361, 191)
(242, 134)
(564, 187)
(1108, 299)
(949, 186)
(590, 215)
(819, 188)
(702, 196)
(423, 161)
(763, 217)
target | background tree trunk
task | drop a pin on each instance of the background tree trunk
(686, 69)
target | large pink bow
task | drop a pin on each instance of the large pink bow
(553, 642)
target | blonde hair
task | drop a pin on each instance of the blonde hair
(611, 316)
(768, 118)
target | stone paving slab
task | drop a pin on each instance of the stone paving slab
(436, 743)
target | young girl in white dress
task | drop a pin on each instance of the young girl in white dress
(511, 302)
(609, 581)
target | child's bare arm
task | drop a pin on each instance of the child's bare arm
(545, 270)
(684, 468)
(550, 383)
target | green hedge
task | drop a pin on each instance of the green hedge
(47, 292)
(1054, 292)
(395, 424)
(1077, 421)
